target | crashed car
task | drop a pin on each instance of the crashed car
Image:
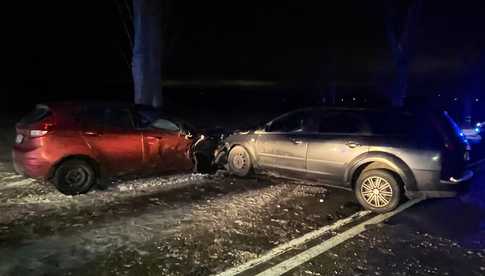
(380, 155)
(76, 146)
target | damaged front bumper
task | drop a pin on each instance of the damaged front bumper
(220, 155)
(208, 153)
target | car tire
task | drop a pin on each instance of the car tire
(378, 191)
(239, 161)
(74, 177)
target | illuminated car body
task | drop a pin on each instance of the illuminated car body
(112, 139)
(333, 146)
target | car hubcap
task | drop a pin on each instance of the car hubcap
(376, 191)
(239, 161)
(76, 177)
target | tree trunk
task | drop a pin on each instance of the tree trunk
(146, 67)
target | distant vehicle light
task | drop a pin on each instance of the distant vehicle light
(477, 130)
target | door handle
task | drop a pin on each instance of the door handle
(91, 133)
(352, 145)
(296, 142)
(153, 140)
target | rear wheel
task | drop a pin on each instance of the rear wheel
(378, 191)
(239, 161)
(74, 177)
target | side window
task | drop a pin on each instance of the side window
(165, 125)
(341, 122)
(293, 122)
(118, 118)
(92, 117)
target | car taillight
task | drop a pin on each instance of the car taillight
(42, 130)
(38, 133)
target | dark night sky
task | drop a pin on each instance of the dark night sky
(77, 46)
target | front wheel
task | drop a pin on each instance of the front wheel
(378, 191)
(74, 177)
(239, 161)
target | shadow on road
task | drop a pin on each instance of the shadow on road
(461, 219)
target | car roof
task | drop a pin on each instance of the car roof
(353, 109)
(362, 109)
(78, 104)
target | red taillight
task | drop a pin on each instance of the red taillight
(42, 130)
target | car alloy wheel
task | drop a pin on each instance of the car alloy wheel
(376, 191)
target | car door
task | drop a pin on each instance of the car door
(110, 133)
(167, 147)
(283, 145)
(341, 137)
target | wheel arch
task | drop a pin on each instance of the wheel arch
(250, 151)
(91, 161)
(384, 161)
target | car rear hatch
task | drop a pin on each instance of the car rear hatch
(36, 124)
(456, 149)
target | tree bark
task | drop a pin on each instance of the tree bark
(147, 52)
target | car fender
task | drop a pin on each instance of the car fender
(395, 163)
(244, 140)
(77, 150)
(96, 165)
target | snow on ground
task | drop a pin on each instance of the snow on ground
(16, 190)
(23, 201)
(185, 223)
(86, 241)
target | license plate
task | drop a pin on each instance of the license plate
(19, 139)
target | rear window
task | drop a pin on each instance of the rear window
(38, 114)
(390, 123)
(448, 128)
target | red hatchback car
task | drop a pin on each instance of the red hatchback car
(77, 145)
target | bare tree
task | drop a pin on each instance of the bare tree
(401, 24)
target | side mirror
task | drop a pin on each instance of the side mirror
(187, 135)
